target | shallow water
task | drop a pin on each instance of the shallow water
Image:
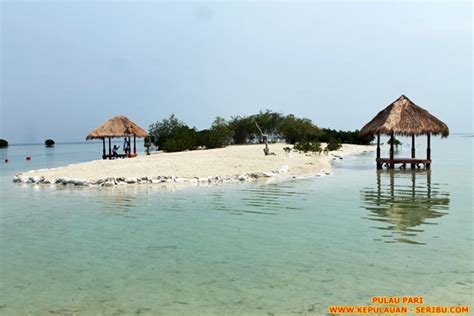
(255, 248)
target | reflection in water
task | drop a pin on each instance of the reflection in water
(405, 200)
(257, 198)
(119, 203)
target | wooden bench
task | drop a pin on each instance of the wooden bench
(390, 163)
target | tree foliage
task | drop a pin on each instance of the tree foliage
(3, 143)
(306, 146)
(294, 129)
(244, 129)
(49, 143)
(333, 144)
(161, 132)
(396, 142)
(172, 134)
(218, 136)
(347, 137)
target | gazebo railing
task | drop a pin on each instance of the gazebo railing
(413, 162)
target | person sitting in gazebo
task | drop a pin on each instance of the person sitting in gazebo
(114, 151)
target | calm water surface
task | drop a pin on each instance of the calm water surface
(258, 248)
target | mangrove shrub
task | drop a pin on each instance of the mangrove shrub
(49, 143)
(3, 143)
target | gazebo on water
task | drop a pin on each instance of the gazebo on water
(405, 118)
(117, 127)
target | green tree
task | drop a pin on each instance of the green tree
(306, 146)
(396, 142)
(160, 132)
(243, 128)
(49, 143)
(269, 121)
(295, 129)
(3, 143)
(333, 144)
(219, 135)
(181, 138)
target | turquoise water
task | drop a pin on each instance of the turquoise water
(256, 249)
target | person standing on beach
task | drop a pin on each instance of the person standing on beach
(126, 146)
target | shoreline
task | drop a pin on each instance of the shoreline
(236, 163)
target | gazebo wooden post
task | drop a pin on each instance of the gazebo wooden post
(129, 147)
(428, 151)
(379, 164)
(103, 148)
(391, 164)
(413, 150)
(134, 144)
(110, 148)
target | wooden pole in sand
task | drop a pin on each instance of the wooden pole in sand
(103, 147)
(413, 150)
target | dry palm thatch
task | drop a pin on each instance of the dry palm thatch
(403, 117)
(117, 126)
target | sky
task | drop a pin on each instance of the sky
(66, 67)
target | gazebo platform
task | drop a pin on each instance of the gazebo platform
(119, 156)
(390, 163)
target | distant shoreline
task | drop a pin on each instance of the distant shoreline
(229, 164)
(119, 140)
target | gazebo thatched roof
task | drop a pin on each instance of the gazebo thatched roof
(403, 117)
(117, 126)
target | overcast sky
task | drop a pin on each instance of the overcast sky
(68, 67)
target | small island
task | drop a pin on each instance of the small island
(49, 143)
(233, 163)
(3, 143)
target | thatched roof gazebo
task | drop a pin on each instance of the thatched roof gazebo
(118, 126)
(403, 117)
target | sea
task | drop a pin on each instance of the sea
(289, 247)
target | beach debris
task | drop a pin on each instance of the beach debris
(243, 177)
(201, 180)
(131, 180)
(283, 169)
(109, 182)
(79, 182)
(36, 179)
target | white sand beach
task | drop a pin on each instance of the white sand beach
(238, 162)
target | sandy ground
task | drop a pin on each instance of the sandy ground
(224, 162)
